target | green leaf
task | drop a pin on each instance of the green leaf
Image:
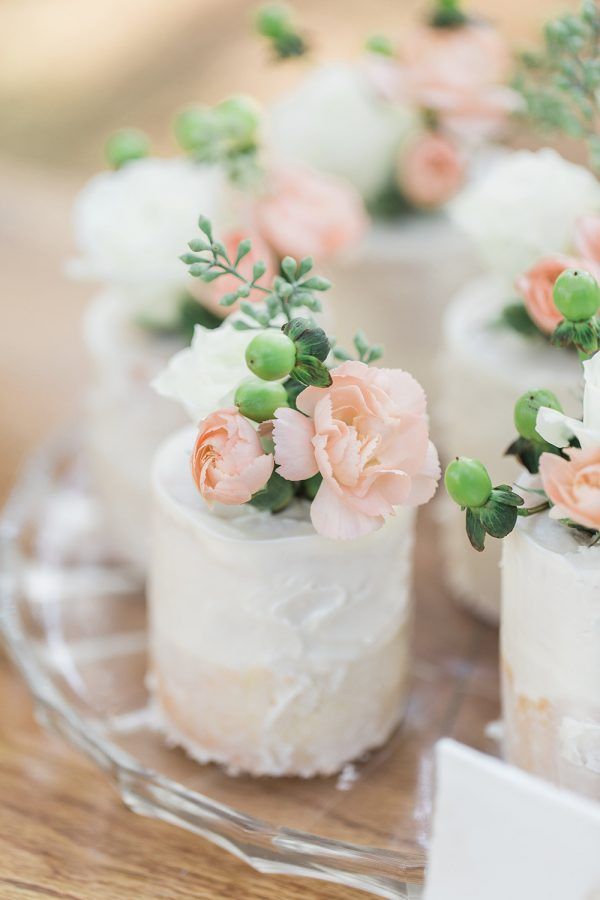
(516, 317)
(275, 496)
(293, 388)
(316, 283)
(197, 245)
(311, 485)
(503, 493)
(205, 226)
(310, 340)
(240, 325)
(475, 531)
(361, 343)
(306, 264)
(581, 335)
(197, 270)
(498, 518)
(244, 248)
(209, 275)
(229, 299)
(258, 270)
(311, 371)
(375, 353)
(342, 354)
(289, 267)
(190, 259)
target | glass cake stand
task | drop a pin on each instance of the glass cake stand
(73, 617)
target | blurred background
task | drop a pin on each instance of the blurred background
(71, 71)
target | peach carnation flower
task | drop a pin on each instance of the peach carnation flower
(573, 485)
(430, 170)
(211, 294)
(308, 213)
(460, 73)
(367, 434)
(229, 464)
(536, 285)
(587, 237)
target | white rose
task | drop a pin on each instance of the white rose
(558, 429)
(336, 123)
(132, 225)
(204, 376)
(524, 207)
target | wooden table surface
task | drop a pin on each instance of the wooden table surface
(63, 831)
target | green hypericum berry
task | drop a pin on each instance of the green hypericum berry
(239, 116)
(126, 145)
(468, 483)
(192, 126)
(258, 400)
(379, 44)
(273, 20)
(271, 355)
(526, 411)
(576, 295)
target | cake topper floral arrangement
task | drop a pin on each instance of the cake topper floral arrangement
(285, 413)
(131, 222)
(561, 82)
(413, 111)
(561, 454)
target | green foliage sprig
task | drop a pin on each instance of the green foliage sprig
(448, 14)
(295, 288)
(365, 351)
(561, 83)
(227, 133)
(276, 23)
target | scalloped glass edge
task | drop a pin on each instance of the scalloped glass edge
(268, 849)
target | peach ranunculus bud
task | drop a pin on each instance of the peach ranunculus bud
(573, 485)
(367, 435)
(308, 213)
(461, 74)
(229, 464)
(430, 170)
(536, 286)
(210, 295)
(587, 237)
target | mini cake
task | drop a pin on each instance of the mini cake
(274, 651)
(126, 421)
(132, 226)
(483, 367)
(280, 598)
(408, 126)
(550, 638)
(497, 330)
(550, 613)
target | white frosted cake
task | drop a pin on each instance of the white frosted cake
(550, 641)
(274, 651)
(485, 367)
(125, 419)
(397, 283)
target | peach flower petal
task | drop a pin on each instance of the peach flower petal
(587, 237)
(369, 441)
(430, 171)
(573, 485)
(228, 462)
(308, 213)
(536, 287)
(292, 436)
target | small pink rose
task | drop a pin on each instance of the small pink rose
(573, 485)
(430, 170)
(229, 464)
(461, 74)
(307, 213)
(210, 295)
(536, 286)
(587, 237)
(368, 437)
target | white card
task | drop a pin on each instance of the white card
(501, 834)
